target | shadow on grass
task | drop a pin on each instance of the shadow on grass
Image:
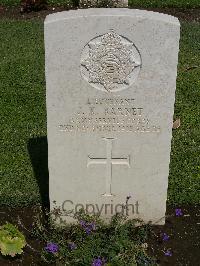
(38, 151)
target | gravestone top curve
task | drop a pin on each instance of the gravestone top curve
(110, 12)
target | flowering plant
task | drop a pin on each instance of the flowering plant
(51, 248)
(93, 242)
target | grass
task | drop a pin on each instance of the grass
(165, 3)
(23, 149)
(132, 3)
(22, 107)
(184, 181)
(50, 2)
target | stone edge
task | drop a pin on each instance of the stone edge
(73, 14)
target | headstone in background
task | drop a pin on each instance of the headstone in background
(103, 3)
(111, 79)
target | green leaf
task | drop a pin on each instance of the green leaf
(12, 240)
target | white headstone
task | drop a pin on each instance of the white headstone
(111, 79)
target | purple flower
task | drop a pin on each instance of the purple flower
(82, 223)
(93, 226)
(165, 237)
(72, 246)
(88, 227)
(98, 262)
(168, 253)
(87, 230)
(51, 247)
(178, 212)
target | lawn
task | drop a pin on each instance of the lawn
(166, 3)
(23, 149)
(23, 114)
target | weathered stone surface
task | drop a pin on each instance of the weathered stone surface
(111, 79)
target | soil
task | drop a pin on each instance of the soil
(14, 13)
(184, 241)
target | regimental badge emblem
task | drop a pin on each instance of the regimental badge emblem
(110, 62)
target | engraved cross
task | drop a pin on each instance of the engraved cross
(109, 161)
